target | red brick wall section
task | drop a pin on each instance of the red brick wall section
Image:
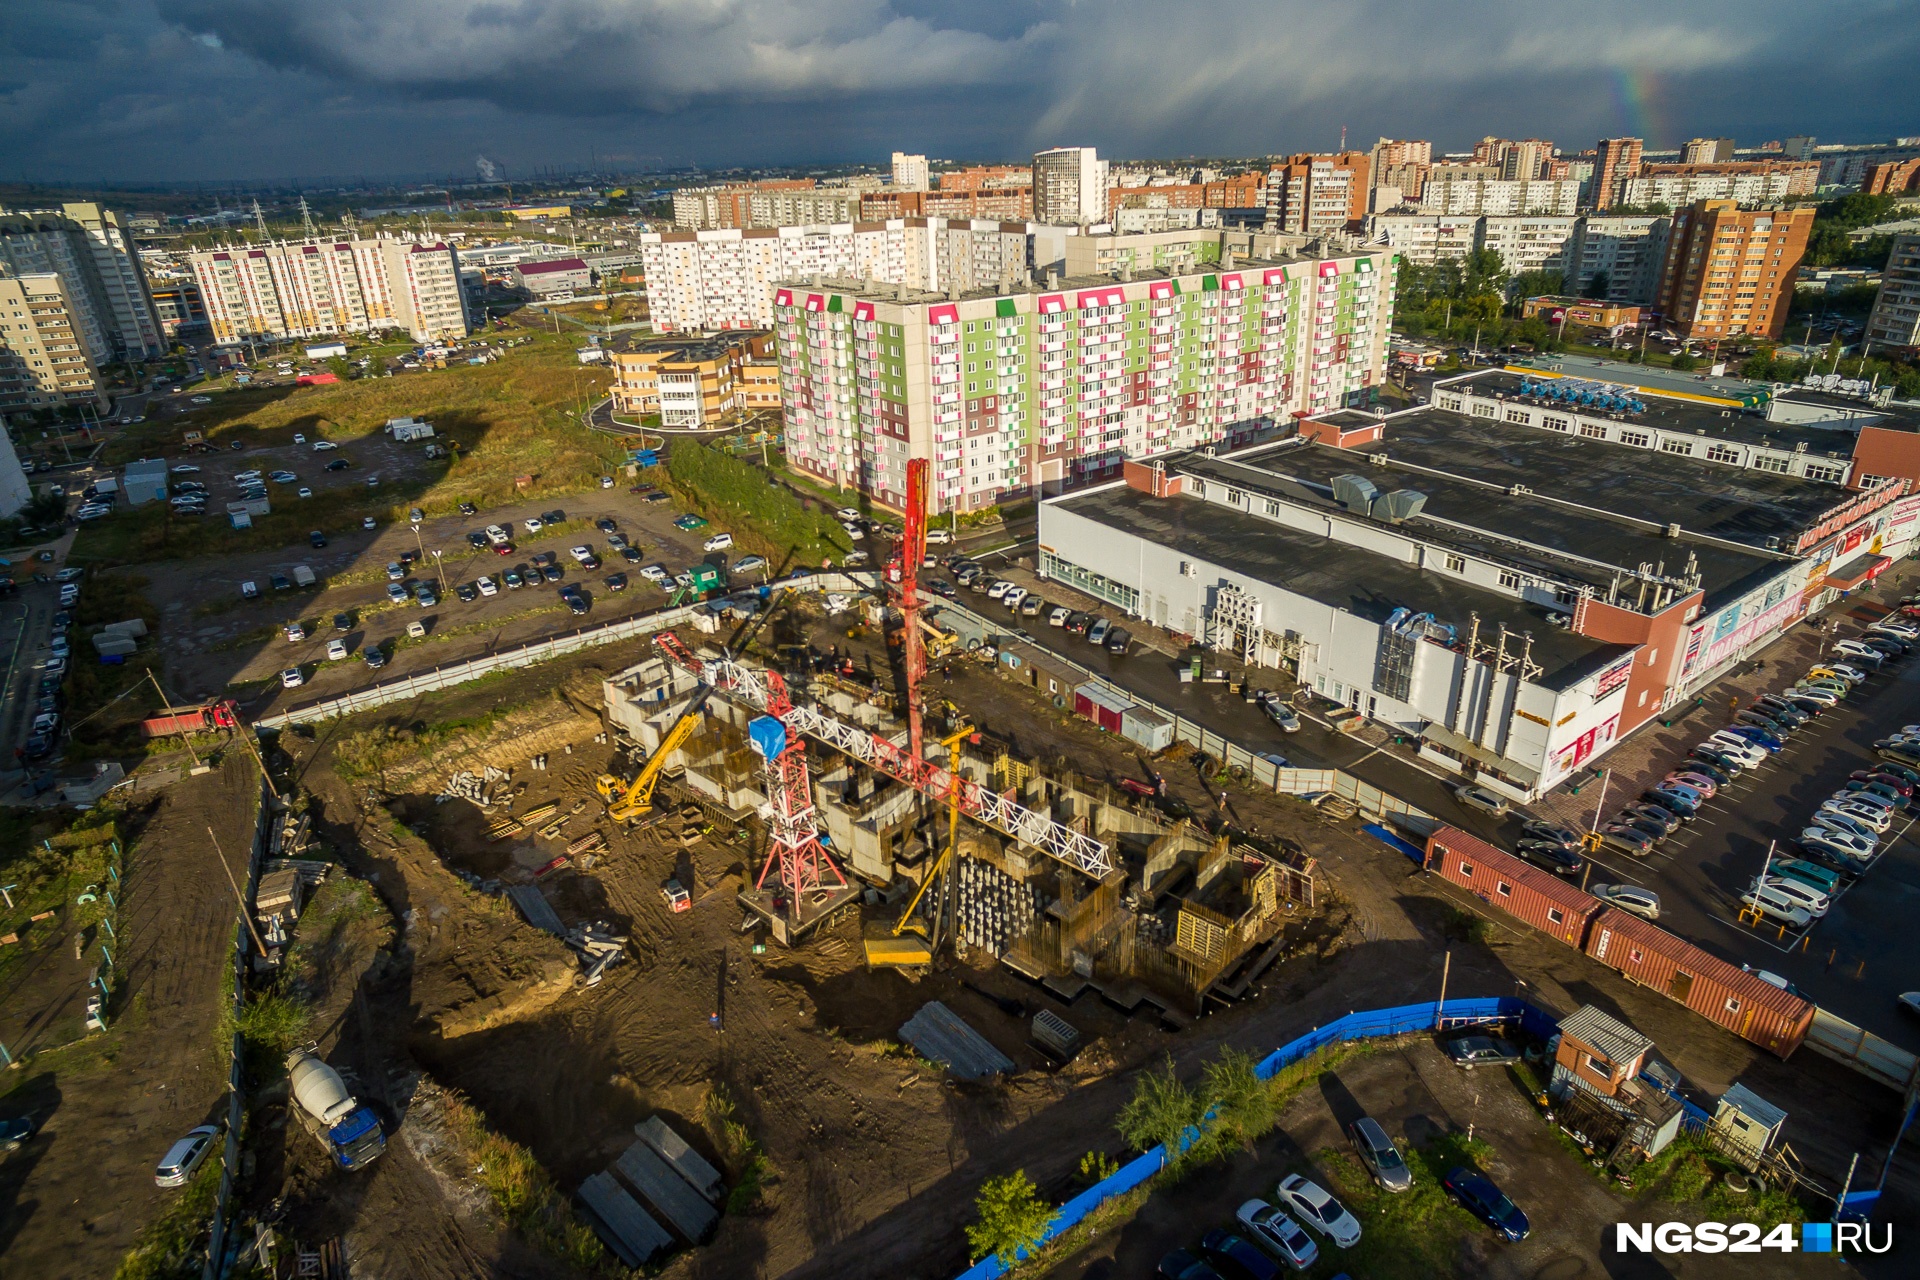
(1880, 452)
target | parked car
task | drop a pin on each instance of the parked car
(1693, 781)
(1277, 1232)
(1181, 1265)
(1825, 879)
(1671, 801)
(1318, 1209)
(718, 542)
(1809, 899)
(1777, 906)
(467, 592)
(1097, 633)
(336, 650)
(1236, 1257)
(1767, 742)
(186, 1155)
(291, 678)
(1470, 1051)
(1550, 855)
(1477, 1194)
(1482, 799)
(1117, 641)
(15, 1132)
(1644, 903)
(1078, 622)
(488, 587)
(1379, 1155)
(1554, 831)
(1282, 715)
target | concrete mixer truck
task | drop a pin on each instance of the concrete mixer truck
(350, 1131)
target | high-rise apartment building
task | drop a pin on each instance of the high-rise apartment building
(909, 172)
(1425, 238)
(1742, 181)
(1619, 159)
(1009, 393)
(325, 288)
(1317, 194)
(45, 362)
(1473, 189)
(1729, 270)
(1707, 151)
(1528, 243)
(1622, 251)
(706, 280)
(776, 202)
(987, 177)
(1521, 161)
(1069, 186)
(1392, 151)
(1894, 326)
(93, 253)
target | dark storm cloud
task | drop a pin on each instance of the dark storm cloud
(205, 88)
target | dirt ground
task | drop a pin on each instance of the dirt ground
(874, 1156)
(72, 1200)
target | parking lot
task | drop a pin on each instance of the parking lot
(1426, 1105)
(1856, 959)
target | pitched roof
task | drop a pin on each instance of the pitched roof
(1616, 1041)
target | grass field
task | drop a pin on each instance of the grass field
(509, 419)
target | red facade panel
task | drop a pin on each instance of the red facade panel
(1720, 992)
(1501, 880)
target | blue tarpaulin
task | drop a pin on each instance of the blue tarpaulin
(768, 735)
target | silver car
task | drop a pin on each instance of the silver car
(1377, 1152)
(1644, 903)
(186, 1155)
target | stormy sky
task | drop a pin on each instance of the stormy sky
(263, 90)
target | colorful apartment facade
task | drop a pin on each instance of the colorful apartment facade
(1016, 392)
(695, 383)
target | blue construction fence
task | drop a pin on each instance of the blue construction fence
(1365, 1025)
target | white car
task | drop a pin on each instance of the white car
(1891, 628)
(487, 586)
(1278, 1234)
(1874, 820)
(299, 438)
(1745, 751)
(1854, 842)
(1059, 616)
(1013, 596)
(200, 400)
(999, 590)
(304, 492)
(1813, 693)
(291, 678)
(497, 535)
(1866, 654)
(246, 477)
(1841, 822)
(854, 531)
(581, 554)
(534, 524)
(1318, 1209)
(336, 650)
(846, 515)
(1777, 906)
(718, 542)
(1644, 903)
(1808, 898)
(321, 446)
(654, 573)
(185, 468)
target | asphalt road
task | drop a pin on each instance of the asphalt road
(1857, 958)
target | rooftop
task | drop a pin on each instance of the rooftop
(1664, 412)
(1573, 539)
(557, 264)
(694, 349)
(1616, 1041)
(1364, 583)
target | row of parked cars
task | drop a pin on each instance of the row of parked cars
(1287, 1231)
(974, 577)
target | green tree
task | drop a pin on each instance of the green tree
(1684, 362)
(1486, 272)
(1243, 1104)
(1535, 284)
(1160, 1111)
(1598, 285)
(1011, 1218)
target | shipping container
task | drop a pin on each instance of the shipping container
(1533, 896)
(1100, 705)
(1644, 953)
(1147, 727)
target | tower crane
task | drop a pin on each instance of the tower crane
(889, 947)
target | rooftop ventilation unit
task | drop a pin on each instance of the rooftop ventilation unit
(1400, 505)
(1355, 493)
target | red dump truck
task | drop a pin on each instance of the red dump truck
(208, 716)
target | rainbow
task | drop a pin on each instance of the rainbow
(1637, 103)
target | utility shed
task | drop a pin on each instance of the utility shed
(686, 1162)
(1599, 1053)
(621, 1224)
(676, 1201)
(1749, 1124)
(939, 1034)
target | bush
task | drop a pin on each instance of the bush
(1012, 1218)
(1160, 1111)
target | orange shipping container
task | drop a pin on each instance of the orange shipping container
(1720, 992)
(1535, 897)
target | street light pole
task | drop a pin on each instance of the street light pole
(437, 568)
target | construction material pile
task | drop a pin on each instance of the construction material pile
(599, 948)
(477, 787)
(288, 834)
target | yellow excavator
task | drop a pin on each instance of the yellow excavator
(891, 946)
(628, 800)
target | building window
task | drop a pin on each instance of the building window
(1456, 564)
(1556, 916)
(1273, 508)
(1826, 473)
(1199, 488)
(1874, 482)
(1771, 462)
(1552, 423)
(1722, 453)
(1483, 411)
(1733, 1004)
(1594, 430)
(1638, 439)
(1520, 416)
(1466, 869)
(1636, 955)
(1505, 889)
(1052, 566)
(1510, 580)
(1235, 497)
(1673, 445)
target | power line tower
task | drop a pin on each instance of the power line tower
(306, 219)
(260, 221)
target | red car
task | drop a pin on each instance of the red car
(503, 548)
